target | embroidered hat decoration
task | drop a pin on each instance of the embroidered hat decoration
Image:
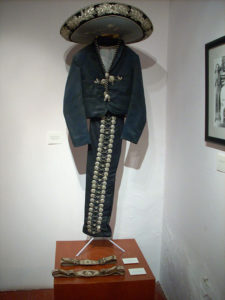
(125, 21)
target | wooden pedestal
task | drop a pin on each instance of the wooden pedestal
(125, 287)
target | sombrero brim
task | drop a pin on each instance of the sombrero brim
(129, 22)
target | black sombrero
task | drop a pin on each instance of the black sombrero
(119, 19)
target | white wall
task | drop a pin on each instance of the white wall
(193, 241)
(42, 187)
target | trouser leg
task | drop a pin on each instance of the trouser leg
(103, 157)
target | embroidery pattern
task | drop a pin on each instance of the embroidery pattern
(112, 79)
(105, 82)
(108, 8)
(100, 174)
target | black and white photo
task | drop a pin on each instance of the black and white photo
(215, 91)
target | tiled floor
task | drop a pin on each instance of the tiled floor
(48, 295)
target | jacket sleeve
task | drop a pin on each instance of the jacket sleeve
(136, 116)
(73, 108)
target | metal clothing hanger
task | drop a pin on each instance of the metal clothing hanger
(92, 238)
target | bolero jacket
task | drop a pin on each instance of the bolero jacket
(84, 93)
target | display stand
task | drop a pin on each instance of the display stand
(125, 287)
(111, 241)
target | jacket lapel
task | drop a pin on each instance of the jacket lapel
(118, 55)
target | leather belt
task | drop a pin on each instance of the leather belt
(116, 270)
(88, 262)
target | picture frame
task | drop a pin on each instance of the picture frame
(215, 91)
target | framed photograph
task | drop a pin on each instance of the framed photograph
(215, 91)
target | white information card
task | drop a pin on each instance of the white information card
(54, 137)
(137, 271)
(130, 260)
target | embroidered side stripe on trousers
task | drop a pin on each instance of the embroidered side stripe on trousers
(103, 157)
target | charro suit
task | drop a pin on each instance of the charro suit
(84, 98)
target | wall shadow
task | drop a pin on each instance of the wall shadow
(79, 155)
(136, 152)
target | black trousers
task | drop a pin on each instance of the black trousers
(102, 161)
